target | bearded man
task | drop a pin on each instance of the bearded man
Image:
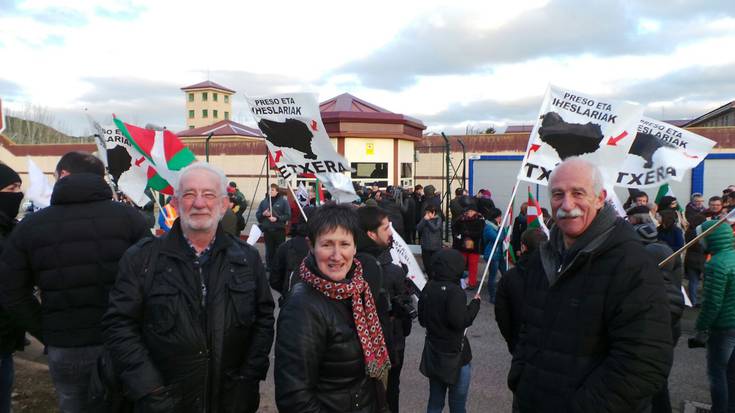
(190, 322)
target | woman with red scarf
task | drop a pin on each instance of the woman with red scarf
(330, 349)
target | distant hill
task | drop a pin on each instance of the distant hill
(23, 131)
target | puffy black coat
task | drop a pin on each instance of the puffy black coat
(285, 271)
(443, 308)
(596, 335)
(319, 364)
(509, 302)
(694, 257)
(70, 250)
(12, 336)
(468, 227)
(672, 273)
(208, 351)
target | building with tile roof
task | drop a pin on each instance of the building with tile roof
(207, 103)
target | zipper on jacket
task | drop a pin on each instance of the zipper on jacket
(203, 323)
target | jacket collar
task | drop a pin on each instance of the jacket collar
(557, 259)
(80, 188)
(174, 243)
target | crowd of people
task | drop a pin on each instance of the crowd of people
(185, 321)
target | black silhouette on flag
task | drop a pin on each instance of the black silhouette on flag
(645, 145)
(292, 134)
(569, 139)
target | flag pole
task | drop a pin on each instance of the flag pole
(257, 185)
(722, 220)
(290, 188)
(268, 185)
(495, 243)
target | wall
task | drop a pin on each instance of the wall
(197, 105)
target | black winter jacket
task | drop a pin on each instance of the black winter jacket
(466, 227)
(12, 336)
(672, 273)
(319, 364)
(443, 309)
(596, 335)
(285, 271)
(207, 347)
(70, 250)
(509, 302)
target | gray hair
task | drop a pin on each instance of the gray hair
(597, 180)
(198, 166)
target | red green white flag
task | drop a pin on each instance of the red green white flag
(161, 151)
(534, 215)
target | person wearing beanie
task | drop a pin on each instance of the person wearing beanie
(70, 251)
(717, 317)
(444, 312)
(12, 336)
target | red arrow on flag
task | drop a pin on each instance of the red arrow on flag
(314, 126)
(533, 148)
(612, 141)
(279, 154)
(139, 161)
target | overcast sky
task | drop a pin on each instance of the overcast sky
(447, 63)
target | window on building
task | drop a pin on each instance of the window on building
(214, 96)
(204, 96)
(370, 170)
(214, 113)
(191, 126)
(191, 97)
(205, 113)
(406, 169)
(227, 115)
(191, 114)
(227, 98)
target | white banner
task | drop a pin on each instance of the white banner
(660, 153)
(401, 254)
(298, 142)
(129, 169)
(575, 124)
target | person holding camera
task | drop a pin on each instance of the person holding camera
(376, 241)
(716, 322)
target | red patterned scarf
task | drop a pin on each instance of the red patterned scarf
(364, 313)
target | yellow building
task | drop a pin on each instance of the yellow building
(207, 103)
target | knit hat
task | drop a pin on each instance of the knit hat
(647, 232)
(8, 176)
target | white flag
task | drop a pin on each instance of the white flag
(40, 189)
(401, 254)
(660, 153)
(575, 124)
(298, 142)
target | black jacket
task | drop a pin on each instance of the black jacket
(443, 309)
(596, 331)
(12, 336)
(281, 210)
(509, 302)
(70, 250)
(466, 227)
(208, 350)
(285, 271)
(672, 274)
(319, 365)
(694, 257)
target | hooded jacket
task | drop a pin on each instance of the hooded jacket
(718, 306)
(12, 336)
(596, 334)
(70, 250)
(206, 346)
(443, 308)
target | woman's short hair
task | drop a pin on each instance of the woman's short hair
(330, 217)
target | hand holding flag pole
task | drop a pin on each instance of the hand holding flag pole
(729, 218)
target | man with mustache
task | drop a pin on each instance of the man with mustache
(596, 334)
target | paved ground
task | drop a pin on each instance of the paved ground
(488, 391)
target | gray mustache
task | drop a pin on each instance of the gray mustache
(576, 212)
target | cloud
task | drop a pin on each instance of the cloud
(693, 83)
(560, 28)
(126, 11)
(9, 89)
(486, 111)
(57, 16)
